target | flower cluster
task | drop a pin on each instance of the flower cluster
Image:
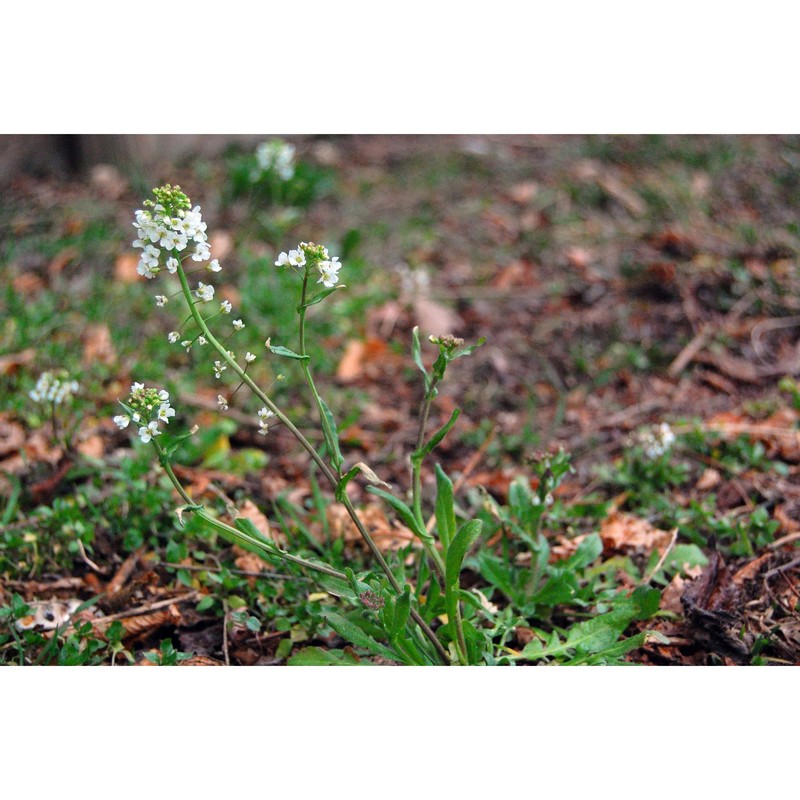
(53, 387)
(170, 224)
(148, 408)
(263, 415)
(276, 156)
(658, 441)
(313, 256)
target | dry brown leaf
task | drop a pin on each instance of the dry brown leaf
(625, 532)
(56, 266)
(351, 366)
(386, 535)
(221, 243)
(125, 268)
(12, 437)
(97, 345)
(708, 480)
(93, 446)
(524, 192)
(10, 362)
(434, 318)
(28, 284)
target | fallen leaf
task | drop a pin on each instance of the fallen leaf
(12, 437)
(93, 446)
(625, 532)
(708, 480)
(434, 318)
(11, 361)
(221, 244)
(125, 268)
(351, 366)
(97, 345)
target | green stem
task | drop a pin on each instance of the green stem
(308, 447)
(323, 417)
(416, 478)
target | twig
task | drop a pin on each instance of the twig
(782, 568)
(88, 560)
(225, 634)
(790, 537)
(663, 558)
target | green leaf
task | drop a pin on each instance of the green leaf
(445, 508)
(319, 297)
(354, 634)
(416, 352)
(467, 535)
(402, 610)
(279, 350)
(586, 552)
(206, 603)
(406, 514)
(469, 349)
(317, 657)
(248, 527)
(336, 455)
(437, 437)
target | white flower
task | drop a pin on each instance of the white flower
(219, 368)
(136, 388)
(173, 337)
(201, 340)
(222, 402)
(294, 258)
(201, 252)
(122, 420)
(173, 240)
(249, 358)
(205, 292)
(161, 300)
(225, 307)
(238, 324)
(149, 431)
(329, 272)
(187, 343)
(263, 415)
(214, 266)
(165, 412)
(278, 156)
(172, 265)
(148, 263)
(163, 395)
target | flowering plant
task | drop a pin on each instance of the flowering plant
(172, 237)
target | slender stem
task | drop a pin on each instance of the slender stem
(416, 465)
(314, 455)
(330, 435)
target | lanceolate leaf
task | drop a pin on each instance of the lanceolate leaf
(467, 535)
(279, 350)
(406, 514)
(445, 508)
(336, 455)
(319, 297)
(354, 634)
(436, 438)
(416, 352)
